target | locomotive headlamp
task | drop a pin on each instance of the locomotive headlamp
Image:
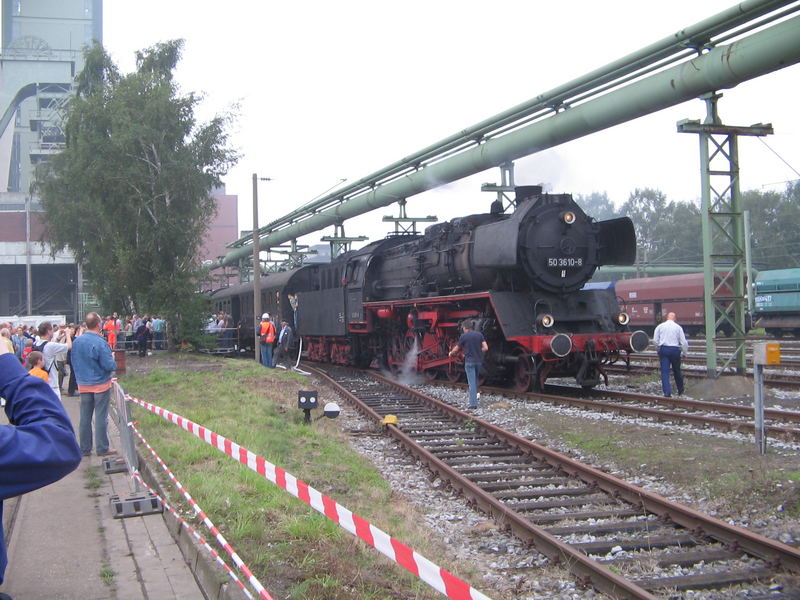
(623, 318)
(569, 217)
(546, 320)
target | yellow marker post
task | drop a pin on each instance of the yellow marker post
(764, 353)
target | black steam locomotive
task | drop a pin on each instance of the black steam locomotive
(516, 277)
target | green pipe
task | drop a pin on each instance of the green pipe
(723, 67)
(679, 45)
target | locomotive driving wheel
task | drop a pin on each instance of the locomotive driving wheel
(394, 355)
(403, 353)
(453, 372)
(524, 372)
(430, 374)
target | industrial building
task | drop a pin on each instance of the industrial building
(42, 43)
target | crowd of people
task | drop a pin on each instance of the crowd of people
(81, 355)
(39, 445)
(222, 325)
(46, 350)
(143, 333)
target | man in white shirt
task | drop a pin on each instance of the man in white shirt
(671, 343)
(51, 350)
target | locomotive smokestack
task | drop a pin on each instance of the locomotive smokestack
(524, 192)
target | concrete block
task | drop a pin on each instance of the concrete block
(188, 548)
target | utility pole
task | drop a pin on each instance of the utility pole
(724, 260)
(256, 271)
(28, 268)
(256, 268)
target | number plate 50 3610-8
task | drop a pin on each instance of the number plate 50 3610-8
(564, 262)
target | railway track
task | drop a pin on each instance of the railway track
(771, 378)
(695, 358)
(616, 537)
(779, 424)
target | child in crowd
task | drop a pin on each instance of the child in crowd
(28, 349)
(36, 365)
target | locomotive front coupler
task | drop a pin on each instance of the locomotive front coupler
(592, 365)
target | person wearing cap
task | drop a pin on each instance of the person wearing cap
(267, 333)
(284, 343)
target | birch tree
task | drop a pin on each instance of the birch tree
(130, 194)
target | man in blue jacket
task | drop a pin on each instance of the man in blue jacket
(93, 363)
(39, 446)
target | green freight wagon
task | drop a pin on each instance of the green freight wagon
(777, 302)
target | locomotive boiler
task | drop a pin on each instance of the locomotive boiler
(547, 245)
(516, 278)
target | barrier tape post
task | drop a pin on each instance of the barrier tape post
(122, 416)
(433, 575)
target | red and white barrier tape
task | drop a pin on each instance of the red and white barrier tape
(436, 577)
(240, 564)
(194, 532)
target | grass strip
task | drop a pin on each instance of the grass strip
(292, 549)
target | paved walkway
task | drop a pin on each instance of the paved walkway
(64, 543)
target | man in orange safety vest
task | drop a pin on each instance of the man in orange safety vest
(267, 333)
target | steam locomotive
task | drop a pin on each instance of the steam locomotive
(515, 277)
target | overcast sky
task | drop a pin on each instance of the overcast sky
(332, 90)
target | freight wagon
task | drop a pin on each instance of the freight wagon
(777, 302)
(648, 300)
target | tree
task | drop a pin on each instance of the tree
(646, 208)
(666, 232)
(774, 227)
(130, 194)
(597, 205)
(683, 234)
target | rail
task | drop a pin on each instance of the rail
(455, 441)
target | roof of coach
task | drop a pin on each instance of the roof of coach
(774, 275)
(282, 279)
(268, 281)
